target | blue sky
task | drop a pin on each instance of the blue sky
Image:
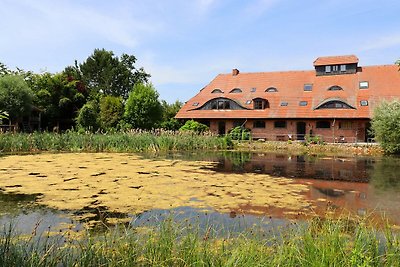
(184, 44)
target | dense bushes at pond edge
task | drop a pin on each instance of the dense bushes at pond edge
(132, 141)
(386, 127)
(321, 242)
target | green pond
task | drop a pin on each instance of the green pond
(235, 189)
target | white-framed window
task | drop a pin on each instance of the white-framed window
(327, 68)
(363, 85)
(364, 103)
(343, 68)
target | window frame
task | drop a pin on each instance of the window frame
(277, 124)
(346, 125)
(308, 87)
(257, 123)
(328, 69)
(322, 124)
(364, 103)
(271, 90)
(236, 91)
(363, 86)
(303, 103)
(217, 91)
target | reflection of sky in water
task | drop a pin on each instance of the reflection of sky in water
(357, 184)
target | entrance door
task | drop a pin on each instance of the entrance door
(301, 130)
(221, 127)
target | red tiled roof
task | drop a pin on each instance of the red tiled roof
(335, 60)
(384, 83)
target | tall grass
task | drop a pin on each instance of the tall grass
(133, 141)
(319, 243)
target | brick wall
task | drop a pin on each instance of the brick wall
(340, 130)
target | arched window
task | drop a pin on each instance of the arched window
(221, 103)
(271, 90)
(334, 104)
(260, 103)
(236, 90)
(335, 88)
(216, 91)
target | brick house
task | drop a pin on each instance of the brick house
(334, 101)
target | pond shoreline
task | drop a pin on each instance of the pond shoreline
(298, 148)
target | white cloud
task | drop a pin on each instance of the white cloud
(382, 42)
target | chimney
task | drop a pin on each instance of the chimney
(235, 72)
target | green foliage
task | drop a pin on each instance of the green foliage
(385, 125)
(168, 119)
(240, 133)
(142, 109)
(104, 73)
(88, 117)
(194, 126)
(180, 243)
(111, 111)
(59, 97)
(132, 141)
(3, 115)
(15, 96)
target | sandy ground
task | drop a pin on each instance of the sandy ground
(127, 183)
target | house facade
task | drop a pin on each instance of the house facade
(334, 101)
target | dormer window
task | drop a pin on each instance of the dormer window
(248, 102)
(236, 90)
(363, 85)
(253, 89)
(260, 103)
(271, 90)
(216, 91)
(195, 104)
(334, 104)
(364, 103)
(303, 103)
(336, 65)
(327, 69)
(308, 87)
(335, 88)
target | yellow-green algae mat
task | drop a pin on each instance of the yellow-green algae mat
(127, 183)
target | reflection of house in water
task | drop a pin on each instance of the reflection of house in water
(349, 169)
(332, 182)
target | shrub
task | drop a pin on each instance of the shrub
(88, 117)
(143, 110)
(111, 111)
(385, 126)
(240, 133)
(194, 126)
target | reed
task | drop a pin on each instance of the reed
(320, 242)
(132, 141)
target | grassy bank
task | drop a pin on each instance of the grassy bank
(134, 141)
(320, 243)
(311, 149)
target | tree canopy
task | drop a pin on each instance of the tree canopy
(107, 74)
(15, 96)
(385, 125)
(143, 110)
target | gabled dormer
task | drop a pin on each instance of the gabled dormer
(336, 65)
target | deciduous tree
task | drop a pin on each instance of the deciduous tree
(107, 74)
(15, 97)
(142, 109)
